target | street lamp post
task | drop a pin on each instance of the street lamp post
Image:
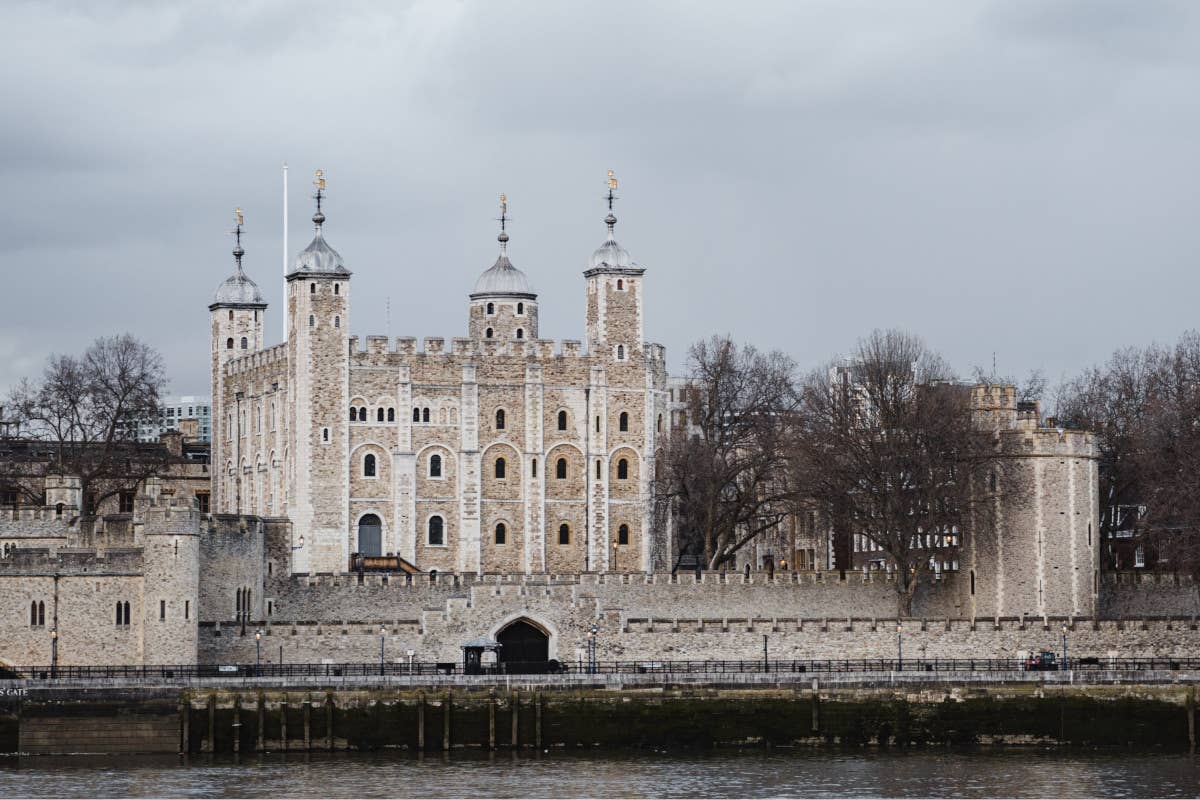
(900, 646)
(410, 655)
(591, 641)
(382, 640)
(1064, 634)
(53, 651)
(258, 652)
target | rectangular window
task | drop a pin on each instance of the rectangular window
(125, 503)
(187, 609)
(202, 502)
(162, 609)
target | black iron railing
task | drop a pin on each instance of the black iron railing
(657, 667)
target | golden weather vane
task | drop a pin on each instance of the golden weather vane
(612, 180)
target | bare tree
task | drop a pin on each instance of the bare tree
(886, 448)
(83, 409)
(725, 471)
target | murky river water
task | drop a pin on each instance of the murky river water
(805, 773)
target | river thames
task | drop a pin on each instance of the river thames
(791, 773)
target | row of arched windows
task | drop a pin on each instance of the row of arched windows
(122, 615)
(381, 415)
(229, 343)
(242, 604)
(312, 288)
(37, 614)
(491, 309)
(490, 334)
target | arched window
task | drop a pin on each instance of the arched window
(620, 285)
(501, 533)
(425, 415)
(620, 352)
(337, 321)
(520, 333)
(623, 534)
(416, 415)
(500, 467)
(491, 309)
(369, 465)
(229, 343)
(623, 421)
(564, 534)
(312, 288)
(58, 509)
(658, 424)
(370, 535)
(337, 288)
(562, 420)
(391, 415)
(379, 415)
(325, 434)
(520, 308)
(118, 619)
(231, 315)
(435, 466)
(353, 414)
(623, 470)
(533, 468)
(500, 419)
(125, 610)
(597, 469)
(437, 531)
(312, 321)
(560, 469)
(488, 333)
(33, 613)
(42, 613)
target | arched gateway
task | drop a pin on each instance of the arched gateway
(523, 644)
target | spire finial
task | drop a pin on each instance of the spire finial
(503, 237)
(610, 220)
(319, 217)
(238, 252)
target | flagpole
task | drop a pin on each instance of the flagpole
(283, 317)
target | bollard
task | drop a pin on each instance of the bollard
(261, 744)
(307, 724)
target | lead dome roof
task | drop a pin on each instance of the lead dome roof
(238, 290)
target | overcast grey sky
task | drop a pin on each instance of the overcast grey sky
(1018, 177)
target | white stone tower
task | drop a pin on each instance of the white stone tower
(614, 295)
(503, 305)
(237, 312)
(318, 291)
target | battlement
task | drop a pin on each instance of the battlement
(1052, 442)
(71, 562)
(263, 358)
(461, 347)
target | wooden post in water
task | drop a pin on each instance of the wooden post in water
(212, 724)
(329, 721)
(283, 739)
(1190, 704)
(307, 724)
(516, 735)
(421, 721)
(185, 709)
(492, 720)
(261, 744)
(237, 723)
(446, 722)
(537, 720)
(816, 707)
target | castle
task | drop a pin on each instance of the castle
(503, 488)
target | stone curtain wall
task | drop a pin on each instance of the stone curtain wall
(1133, 595)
